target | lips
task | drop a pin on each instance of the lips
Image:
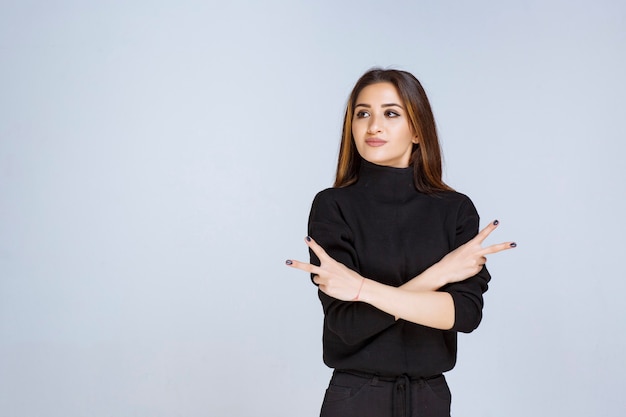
(375, 142)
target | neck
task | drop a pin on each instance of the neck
(386, 183)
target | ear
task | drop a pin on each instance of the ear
(416, 140)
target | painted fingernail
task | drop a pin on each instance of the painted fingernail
(288, 262)
(513, 244)
(308, 238)
(495, 222)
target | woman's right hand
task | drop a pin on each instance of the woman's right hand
(467, 260)
(332, 277)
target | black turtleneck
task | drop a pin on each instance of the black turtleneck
(386, 230)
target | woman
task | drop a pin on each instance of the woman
(396, 255)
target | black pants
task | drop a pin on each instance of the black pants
(353, 394)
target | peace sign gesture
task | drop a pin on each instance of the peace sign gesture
(332, 277)
(339, 281)
(467, 260)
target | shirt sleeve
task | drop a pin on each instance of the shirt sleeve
(468, 294)
(352, 322)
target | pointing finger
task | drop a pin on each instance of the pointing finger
(482, 235)
(317, 249)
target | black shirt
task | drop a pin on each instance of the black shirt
(386, 230)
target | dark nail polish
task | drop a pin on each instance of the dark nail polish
(495, 222)
(288, 262)
(308, 238)
(513, 245)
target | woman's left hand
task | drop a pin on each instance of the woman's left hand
(333, 278)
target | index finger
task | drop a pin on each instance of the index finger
(316, 248)
(482, 235)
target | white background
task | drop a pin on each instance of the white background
(157, 164)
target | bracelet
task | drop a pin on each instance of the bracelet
(359, 293)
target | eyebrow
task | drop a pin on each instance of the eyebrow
(382, 105)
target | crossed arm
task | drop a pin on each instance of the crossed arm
(418, 300)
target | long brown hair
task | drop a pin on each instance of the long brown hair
(425, 156)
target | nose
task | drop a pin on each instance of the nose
(374, 125)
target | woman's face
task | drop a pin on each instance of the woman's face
(380, 127)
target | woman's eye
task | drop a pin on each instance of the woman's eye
(362, 114)
(391, 113)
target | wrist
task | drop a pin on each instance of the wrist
(359, 291)
(365, 293)
(436, 275)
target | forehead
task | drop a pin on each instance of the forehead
(379, 93)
